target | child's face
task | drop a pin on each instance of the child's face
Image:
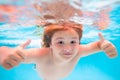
(65, 45)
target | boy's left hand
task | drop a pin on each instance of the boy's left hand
(107, 47)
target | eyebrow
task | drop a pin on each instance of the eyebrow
(59, 38)
(63, 38)
(74, 37)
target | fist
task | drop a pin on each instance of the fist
(11, 57)
(107, 47)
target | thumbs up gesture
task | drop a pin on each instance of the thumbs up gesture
(107, 47)
(11, 57)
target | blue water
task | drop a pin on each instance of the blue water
(94, 67)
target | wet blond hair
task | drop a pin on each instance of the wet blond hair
(50, 29)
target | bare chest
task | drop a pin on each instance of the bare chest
(52, 71)
(48, 70)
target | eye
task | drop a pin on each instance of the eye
(60, 42)
(73, 42)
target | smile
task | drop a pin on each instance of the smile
(67, 54)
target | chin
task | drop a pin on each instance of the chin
(68, 57)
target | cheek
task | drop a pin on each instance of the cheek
(76, 48)
(55, 48)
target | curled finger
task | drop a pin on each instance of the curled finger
(7, 65)
(20, 54)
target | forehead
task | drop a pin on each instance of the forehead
(70, 33)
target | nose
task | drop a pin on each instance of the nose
(67, 48)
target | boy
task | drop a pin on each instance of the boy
(60, 53)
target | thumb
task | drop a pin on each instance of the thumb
(101, 37)
(25, 44)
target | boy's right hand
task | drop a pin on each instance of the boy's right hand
(11, 57)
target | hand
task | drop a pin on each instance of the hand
(11, 57)
(107, 47)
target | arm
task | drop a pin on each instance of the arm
(90, 48)
(33, 54)
(11, 57)
(101, 45)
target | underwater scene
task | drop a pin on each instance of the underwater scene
(21, 20)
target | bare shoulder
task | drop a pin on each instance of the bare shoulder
(36, 53)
